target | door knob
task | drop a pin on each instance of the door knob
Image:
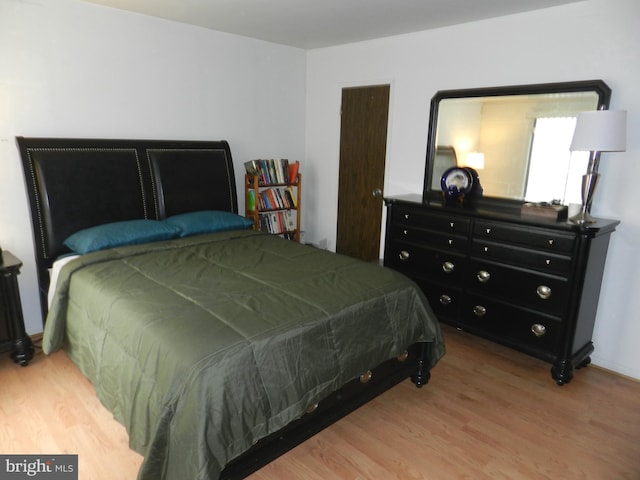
(377, 192)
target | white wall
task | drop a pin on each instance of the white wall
(72, 69)
(595, 39)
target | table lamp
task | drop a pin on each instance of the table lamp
(596, 131)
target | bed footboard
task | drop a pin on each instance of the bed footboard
(412, 364)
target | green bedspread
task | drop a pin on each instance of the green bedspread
(202, 346)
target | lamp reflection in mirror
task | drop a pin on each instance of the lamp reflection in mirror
(474, 160)
(597, 131)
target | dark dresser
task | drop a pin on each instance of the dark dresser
(530, 284)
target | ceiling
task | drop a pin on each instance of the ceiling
(309, 24)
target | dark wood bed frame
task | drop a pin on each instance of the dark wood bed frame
(78, 183)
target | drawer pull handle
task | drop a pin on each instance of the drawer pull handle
(445, 299)
(488, 230)
(448, 267)
(479, 311)
(483, 276)
(452, 224)
(538, 329)
(404, 256)
(485, 249)
(450, 241)
(550, 241)
(548, 261)
(543, 291)
(406, 216)
(405, 232)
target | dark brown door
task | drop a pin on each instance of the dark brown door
(363, 147)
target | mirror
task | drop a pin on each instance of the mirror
(516, 138)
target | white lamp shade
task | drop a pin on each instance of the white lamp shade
(600, 131)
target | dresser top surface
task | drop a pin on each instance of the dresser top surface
(506, 214)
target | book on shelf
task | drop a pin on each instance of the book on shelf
(273, 171)
(277, 198)
(264, 170)
(273, 176)
(281, 199)
(251, 200)
(290, 220)
(284, 167)
(251, 167)
(264, 201)
(268, 200)
(264, 223)
(278, 222)
(294, 167)
(292, 197)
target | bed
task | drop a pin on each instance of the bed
(218, 347)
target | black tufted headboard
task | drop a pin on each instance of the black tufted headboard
(78, 183)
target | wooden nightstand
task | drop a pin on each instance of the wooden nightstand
(11, 319)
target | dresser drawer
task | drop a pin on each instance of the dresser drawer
(545, 293)
(526, 329)
(546, 262)
(434, 265)
(415, 217)
(443, 299)
(532, 237)
(420, 236)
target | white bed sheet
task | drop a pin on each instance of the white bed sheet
(54, 272)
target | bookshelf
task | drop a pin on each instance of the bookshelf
(273, 201)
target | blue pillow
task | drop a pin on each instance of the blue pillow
(130, 232)
(208, 221)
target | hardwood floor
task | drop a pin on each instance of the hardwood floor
(487, 413)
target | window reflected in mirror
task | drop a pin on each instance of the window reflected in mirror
(553, 169)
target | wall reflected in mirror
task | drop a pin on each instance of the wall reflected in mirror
(523, 141)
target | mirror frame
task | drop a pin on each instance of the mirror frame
(436, 196)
